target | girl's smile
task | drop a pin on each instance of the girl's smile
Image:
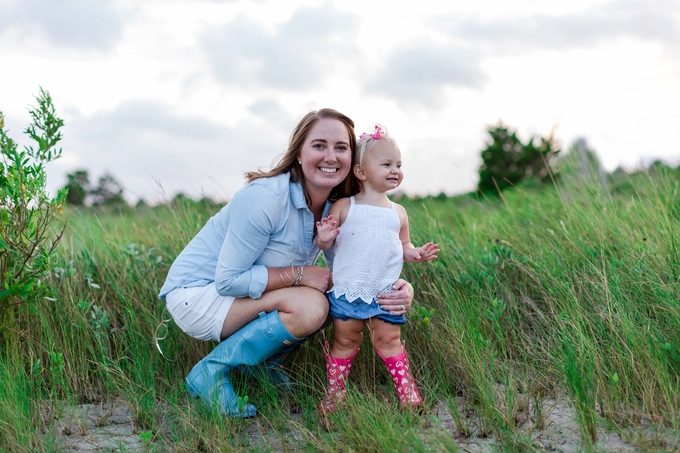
(381, 170)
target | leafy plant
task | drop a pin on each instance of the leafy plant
(99, 321)
(108, 192)
(421, 317)
(78, 187)
(146, 436)
(27, 242)
(506, 160)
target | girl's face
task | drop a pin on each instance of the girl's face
(325, 156)
(382, 167)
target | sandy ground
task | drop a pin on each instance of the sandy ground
(558, 432)
(111, 427)
(97, 427)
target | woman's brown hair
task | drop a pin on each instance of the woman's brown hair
(289, 162)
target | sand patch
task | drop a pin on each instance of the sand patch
(111, 426)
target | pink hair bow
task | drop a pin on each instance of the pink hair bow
(378, 134)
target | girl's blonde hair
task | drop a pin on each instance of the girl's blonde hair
(367, 140)
(289, 161)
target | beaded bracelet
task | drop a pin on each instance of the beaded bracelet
(299, 275)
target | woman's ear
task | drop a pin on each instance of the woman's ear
(359, 172)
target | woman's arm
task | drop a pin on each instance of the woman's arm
(313, 276)
(255, 213)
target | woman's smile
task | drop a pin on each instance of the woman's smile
(325, 156)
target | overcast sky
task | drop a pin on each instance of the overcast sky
(173, 96)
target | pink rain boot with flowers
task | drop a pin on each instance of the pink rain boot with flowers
(399, 371)
(337, 370)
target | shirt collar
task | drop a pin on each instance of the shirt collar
(297, 195)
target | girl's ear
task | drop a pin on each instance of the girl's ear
(359, 172)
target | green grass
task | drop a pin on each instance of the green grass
(568, 291)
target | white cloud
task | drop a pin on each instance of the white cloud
(73, 23)
(295, 55)
(655, 20)
(143, 141)
(194, 93)
(272, 111)
(419, 72)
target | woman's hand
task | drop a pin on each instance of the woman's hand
(398, 302)
(316, 277)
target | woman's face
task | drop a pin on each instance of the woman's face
(326, 156)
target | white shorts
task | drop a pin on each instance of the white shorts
(200, 312)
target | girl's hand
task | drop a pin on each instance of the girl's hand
(427, 252)
(398, 302)
(326, 232)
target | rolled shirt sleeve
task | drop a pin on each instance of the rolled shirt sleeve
(266, 224)
(254, 215)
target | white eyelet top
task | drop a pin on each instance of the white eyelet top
(368, 252)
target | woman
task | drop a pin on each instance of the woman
(248, 277)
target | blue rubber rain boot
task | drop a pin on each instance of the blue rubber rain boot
(274, 366)
(253, 344)
(275, 370)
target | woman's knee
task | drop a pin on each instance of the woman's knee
(308, 305)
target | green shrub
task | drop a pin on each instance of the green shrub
(506, 161)
(27, 238)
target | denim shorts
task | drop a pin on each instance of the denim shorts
(343, 309)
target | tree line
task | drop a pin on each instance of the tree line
(507, 161)
(107, 192)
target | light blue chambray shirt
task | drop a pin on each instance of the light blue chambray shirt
(266, 224)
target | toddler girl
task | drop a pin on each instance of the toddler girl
(370, 250)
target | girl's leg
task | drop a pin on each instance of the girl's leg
(385, 337)
(347, 336)
(386, 341)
